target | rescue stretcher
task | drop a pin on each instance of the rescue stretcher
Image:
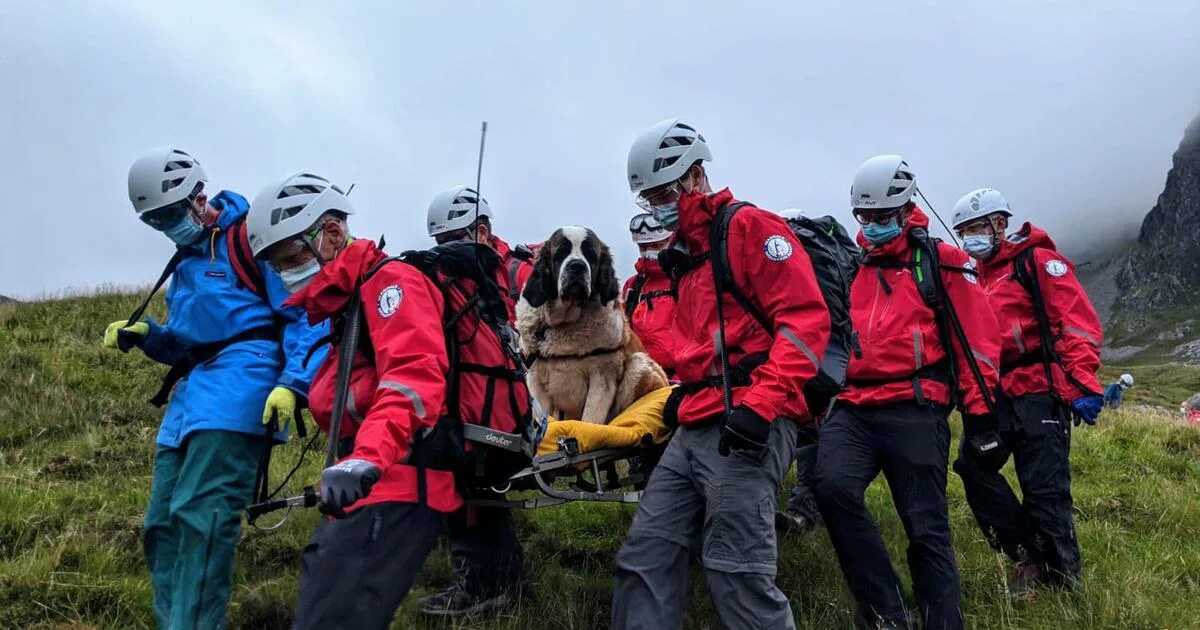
(578, 461)
(572, 461)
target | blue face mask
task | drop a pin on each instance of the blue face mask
(186, 232)
(978, 246)
(298, 278)
(667, 215)
(879, 234)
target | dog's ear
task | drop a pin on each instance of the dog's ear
(541, 287)
(606, 277)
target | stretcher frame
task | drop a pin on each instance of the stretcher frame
(545, 470)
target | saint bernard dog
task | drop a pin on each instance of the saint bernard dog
(585, 361)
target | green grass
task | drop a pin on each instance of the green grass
(76, 442)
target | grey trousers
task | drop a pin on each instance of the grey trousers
(725, 508)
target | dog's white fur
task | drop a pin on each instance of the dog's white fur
(567, 384)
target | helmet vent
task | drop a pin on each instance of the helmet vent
(300, 189)
(664, 162)
(280, 214)
(168, 184)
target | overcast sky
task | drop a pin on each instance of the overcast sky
(1072, 109)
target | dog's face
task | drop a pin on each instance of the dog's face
(574, 265)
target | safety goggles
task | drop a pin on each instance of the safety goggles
(981, 227)
(295, 252)
(167, 216)
(171, 214)
(878, 217)
(658, 196)
(644, 222)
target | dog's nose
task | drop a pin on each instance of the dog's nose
(577, 267)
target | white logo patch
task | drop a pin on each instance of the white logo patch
(970, 275)
(1056, 268)
(389, 300)
(777, 248)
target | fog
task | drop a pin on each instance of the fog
(1072, 109)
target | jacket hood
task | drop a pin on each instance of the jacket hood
(330, 290)
(696, 213)
(1029, 236)
(899, 245)
(649, 268)
(233, 207)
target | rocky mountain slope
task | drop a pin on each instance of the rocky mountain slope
(1149, 296)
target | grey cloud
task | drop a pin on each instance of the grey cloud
(1071, 108)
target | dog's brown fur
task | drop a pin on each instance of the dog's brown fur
(589, 365)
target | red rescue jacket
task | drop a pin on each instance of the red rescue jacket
(899, 345)
(512, 274)
(774, 272)
(402, 388)
(1075, 327)
(654, 314)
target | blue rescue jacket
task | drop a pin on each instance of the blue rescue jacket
(206, 304)
(1112, 395)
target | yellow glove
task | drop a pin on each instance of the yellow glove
(140, 329)
(281, 403)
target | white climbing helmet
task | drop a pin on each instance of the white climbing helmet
(883, 182)
(663, 154)
(1126, 380)
(163, 176)
(646, 229)
(978, 204)
(454, 209)
(791, 214)
(289, 208)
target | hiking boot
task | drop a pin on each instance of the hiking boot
(457, 601)
(1024, 583)
(790, 522)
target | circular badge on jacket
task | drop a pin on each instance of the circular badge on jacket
(970, 273)
(389, 300)
(1056, 268)
(777, 248)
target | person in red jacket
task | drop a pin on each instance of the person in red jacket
(716, 487)
(358, 568)
(460, 213)
(489, 564)
(905, 374)
(1043, 388)
(648, 298)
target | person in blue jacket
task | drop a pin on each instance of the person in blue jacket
(1115, 391)
(237, 358)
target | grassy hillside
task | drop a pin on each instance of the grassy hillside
(76, 444)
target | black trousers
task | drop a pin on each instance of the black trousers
(356, 570)
(485, 550)
(803, 497)
(909, 443)
(1041, 529)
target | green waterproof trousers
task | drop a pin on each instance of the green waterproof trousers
(193, 522)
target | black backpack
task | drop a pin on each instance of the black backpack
(444, 446)
(835, 260)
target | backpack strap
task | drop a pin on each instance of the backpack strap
(635, 294)
(241, 258)
(514, 291)
(949, 325)
(1026, 275)
(718, 251)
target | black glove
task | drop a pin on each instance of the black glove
(743, 430)
(345, 483)
(988, 449)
